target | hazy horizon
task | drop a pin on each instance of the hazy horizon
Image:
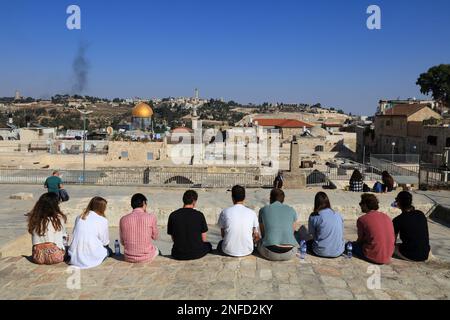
(247, 51)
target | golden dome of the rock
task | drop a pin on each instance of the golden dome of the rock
(142, 110)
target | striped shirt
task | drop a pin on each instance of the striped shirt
(137, 232)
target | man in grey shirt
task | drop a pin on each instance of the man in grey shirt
(277, 225)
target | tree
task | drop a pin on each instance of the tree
(436, 81)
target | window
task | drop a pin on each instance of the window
(319, 148)
(432, 140)
(124, 154)
(447, 143)
(149, 156)
(388, 123)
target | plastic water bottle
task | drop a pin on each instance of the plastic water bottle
(117, 248)
(349, 250)
(302, 249)
(66, 241)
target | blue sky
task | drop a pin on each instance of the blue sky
(242, 50)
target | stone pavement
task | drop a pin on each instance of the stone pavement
(223, 278)
(216, 277)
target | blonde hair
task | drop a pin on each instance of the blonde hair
(98, 205)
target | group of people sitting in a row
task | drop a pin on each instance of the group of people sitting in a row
(272, 233)
(356, 183)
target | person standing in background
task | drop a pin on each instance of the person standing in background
(54, 183)
(278, 182)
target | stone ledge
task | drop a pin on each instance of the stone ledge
(22, 196)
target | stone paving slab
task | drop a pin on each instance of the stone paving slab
(225, 278)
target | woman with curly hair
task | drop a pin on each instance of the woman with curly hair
(46, 226)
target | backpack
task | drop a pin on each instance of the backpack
(63, 195)
(378, 187)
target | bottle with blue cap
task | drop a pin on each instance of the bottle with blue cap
(349, 249)
(302, 250)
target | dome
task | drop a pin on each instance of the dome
(142, 110)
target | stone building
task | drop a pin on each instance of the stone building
(434, 141)
(140, 152)
(288, 128)
(385, 105)
(400, 129)
(365, 142)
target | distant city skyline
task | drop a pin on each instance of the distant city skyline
(246, 51)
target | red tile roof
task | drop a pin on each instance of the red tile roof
(282, 123)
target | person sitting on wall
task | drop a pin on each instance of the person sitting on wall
(326, 227)
(138, 230)
(188, 229)
(376, 238)
(356, 182)
(239, 227)
(277, 225)
(46, 224)
(412, 227)
(90, 244)
(386, 185)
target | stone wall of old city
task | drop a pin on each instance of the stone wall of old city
(135, 151)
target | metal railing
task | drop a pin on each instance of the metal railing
(432, 177)
(398, 158)
(395, 169)
(140, 177)
(342, 173)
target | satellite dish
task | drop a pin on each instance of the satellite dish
(110, 130)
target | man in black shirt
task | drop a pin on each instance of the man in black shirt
(188, 229)
(412, 226)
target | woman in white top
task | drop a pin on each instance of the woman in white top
(90, 244)
(46, 226)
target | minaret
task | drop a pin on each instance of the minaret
(194, 118)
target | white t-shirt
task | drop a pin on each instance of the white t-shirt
(90, 237)
(51, 235)
(238, 222)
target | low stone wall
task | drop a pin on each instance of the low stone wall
(212, 203)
